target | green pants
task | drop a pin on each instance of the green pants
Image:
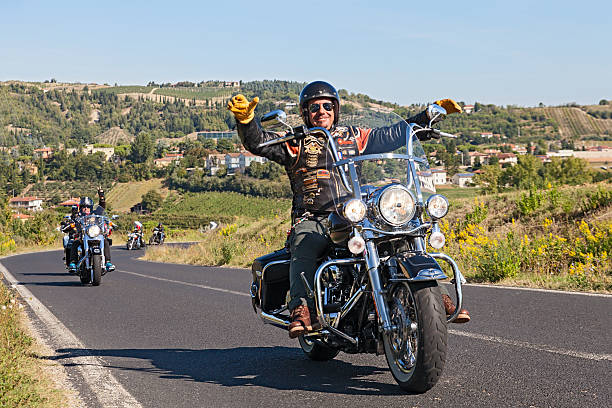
(308, 244)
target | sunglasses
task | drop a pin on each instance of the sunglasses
(314, 108)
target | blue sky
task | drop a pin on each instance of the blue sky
(513, 52)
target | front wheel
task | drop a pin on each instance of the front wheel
(97, 270)
(416, 346)
(317, 351)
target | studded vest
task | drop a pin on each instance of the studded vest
(314, 184)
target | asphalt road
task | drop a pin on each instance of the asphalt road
(185, 336)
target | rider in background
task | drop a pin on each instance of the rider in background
(159, 230)
(139, 233)
(86, 208)
(305, 163)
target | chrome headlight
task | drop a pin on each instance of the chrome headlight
(396, 205)
(354, 210)
(437, 206)
(93, 231)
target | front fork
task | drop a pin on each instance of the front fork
(373, 265)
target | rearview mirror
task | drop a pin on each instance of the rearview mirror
(274, 120)
(435, 113)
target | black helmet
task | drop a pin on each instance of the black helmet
(315, 90)
(85, 202)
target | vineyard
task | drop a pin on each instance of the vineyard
(574, 123)
(63, 190)
(198, 93)
(126, 89)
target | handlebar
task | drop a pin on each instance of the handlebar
(440, 133)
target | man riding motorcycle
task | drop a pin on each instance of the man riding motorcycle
(159, 230)
(311, 184)
(86, 208)
(139, 233)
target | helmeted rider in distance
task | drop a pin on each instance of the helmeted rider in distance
(304, 161)
(67, 226)
(86, 208)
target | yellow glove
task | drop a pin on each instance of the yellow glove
(243, 110)
(450, 106)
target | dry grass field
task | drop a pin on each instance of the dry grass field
(124, 195)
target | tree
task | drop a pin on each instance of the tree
(142, 148)
(151, 201)
(225, 146)
(489, 179)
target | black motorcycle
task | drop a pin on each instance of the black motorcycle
(90, 265)
(377, 290)
(157, 238)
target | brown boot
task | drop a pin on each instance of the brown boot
(314, 321)
(300, 321)
(449, 307)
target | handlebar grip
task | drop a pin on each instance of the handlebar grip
(444, 134)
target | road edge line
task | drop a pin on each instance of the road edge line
(108, 391)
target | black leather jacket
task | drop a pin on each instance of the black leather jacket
(304, 160)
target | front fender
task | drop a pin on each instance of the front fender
(418, 267)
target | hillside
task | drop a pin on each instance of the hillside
(74, 114)
(115, 136)
(124, 195)
(575, 123)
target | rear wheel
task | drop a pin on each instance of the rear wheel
(416, 347)
(97, 270)
(315, 350)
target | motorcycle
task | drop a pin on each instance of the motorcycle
(134, 241)
(157, 238)
(92, 230)
(377, 290)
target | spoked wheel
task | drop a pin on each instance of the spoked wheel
(315, 350)
(415, 348)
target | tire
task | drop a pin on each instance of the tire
(317, 351)
(84, 278)
(97, 270)
(151, 241)
(419, 303)
(129, 245)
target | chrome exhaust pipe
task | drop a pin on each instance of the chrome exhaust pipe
(275, 320)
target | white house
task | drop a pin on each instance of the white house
(439, 176)
(505, 158)
(463, 179)
(232, 161)
(26, 203)
(90, 149)
(246, 158)
(213, 162)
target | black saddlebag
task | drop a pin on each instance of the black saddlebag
(270, 286)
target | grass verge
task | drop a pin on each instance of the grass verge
(23, 379)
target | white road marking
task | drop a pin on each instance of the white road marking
(108, 391)
(493, 339)
(197, 285)
(564, 292)
(538, 347)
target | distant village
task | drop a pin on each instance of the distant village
(238, 162)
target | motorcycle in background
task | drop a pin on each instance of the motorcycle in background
(135, 239)
(92, 230)
(157, 238)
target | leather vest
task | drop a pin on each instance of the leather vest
(313, 182)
